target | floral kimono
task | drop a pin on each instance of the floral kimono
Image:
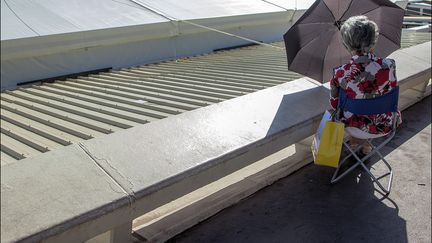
(365, 76)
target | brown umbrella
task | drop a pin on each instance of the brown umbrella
(314, 44)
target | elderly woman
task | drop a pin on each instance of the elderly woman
(365, 76)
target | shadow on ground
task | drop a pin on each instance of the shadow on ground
(305, 207)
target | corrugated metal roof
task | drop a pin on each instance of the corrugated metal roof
(44, 117)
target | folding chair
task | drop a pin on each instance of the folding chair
(377, 105)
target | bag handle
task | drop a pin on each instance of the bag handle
(339, 109)
(334, 114)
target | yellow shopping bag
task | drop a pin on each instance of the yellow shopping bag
(327, 142)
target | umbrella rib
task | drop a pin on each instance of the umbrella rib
(323, 61)
(308, 44)
(368, 10)
(302, 24)
(311, 40)
(398, 44)
(329, 10)
(343, 15)
(389, 23)
(371, 10)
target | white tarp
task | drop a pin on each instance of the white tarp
(11, 26)
(27, 18)
(292, 4)
(196, 9)
(47, 38)
(30, 18)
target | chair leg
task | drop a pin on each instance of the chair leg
(376, 180)
(390, 174)
(337, 177)
(360, 162)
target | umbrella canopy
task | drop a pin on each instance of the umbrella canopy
(314, 43)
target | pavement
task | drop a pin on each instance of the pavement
(305, 207)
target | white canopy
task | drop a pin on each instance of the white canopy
(28, 18)
(193, 9)
(31, 18)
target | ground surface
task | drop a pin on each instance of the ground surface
(304, 207)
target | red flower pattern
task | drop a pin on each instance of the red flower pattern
(365, 87)
(372, 129)
(355, 74)
(350, 93)
(340, 73)
(382, 76)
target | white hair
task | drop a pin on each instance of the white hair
(359, 34)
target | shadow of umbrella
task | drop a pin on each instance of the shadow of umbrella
(295, 109)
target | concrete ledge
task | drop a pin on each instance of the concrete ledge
(176, 216)
(75, 193)
(38, 195)
(160, 162)
(156, 171)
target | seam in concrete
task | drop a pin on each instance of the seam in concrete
(127, 191)
(313, 81)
